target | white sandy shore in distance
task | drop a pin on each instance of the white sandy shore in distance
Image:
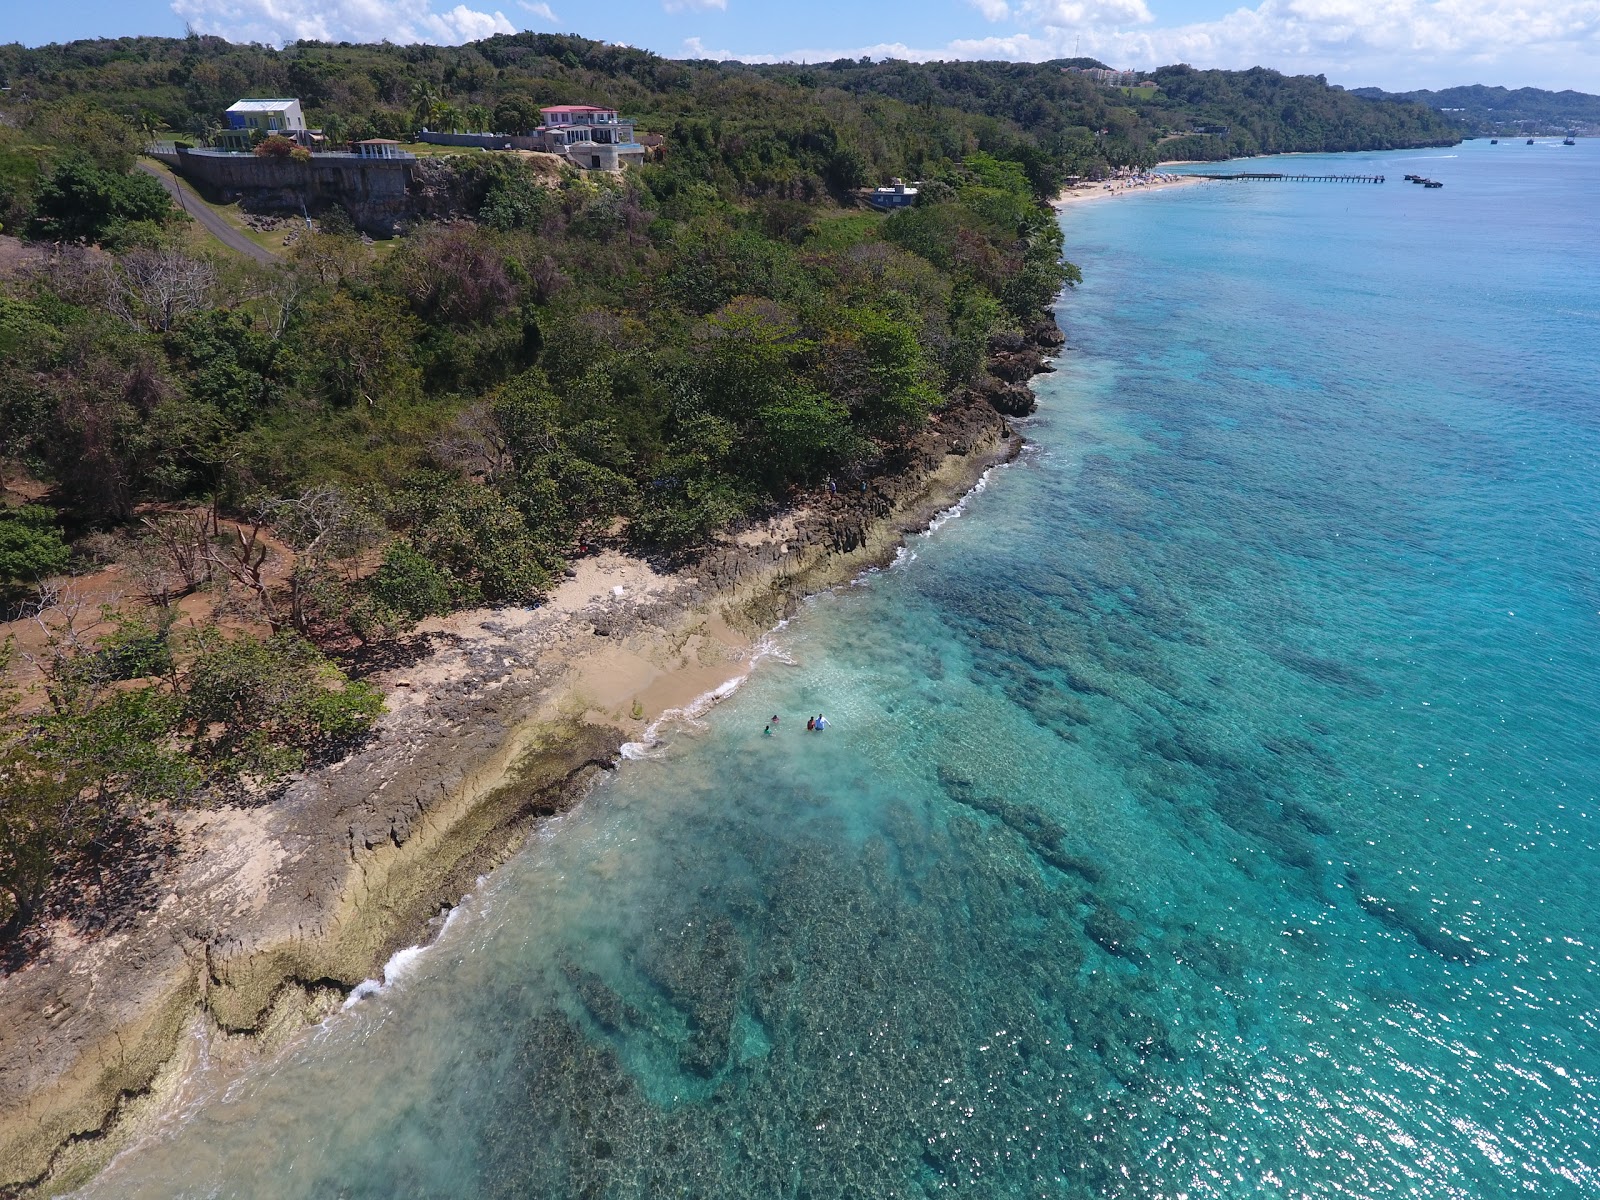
(1121, 187)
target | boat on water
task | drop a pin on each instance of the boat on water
(1431, 183)
(1494, 141)
(1570, 141)
(1530, 141)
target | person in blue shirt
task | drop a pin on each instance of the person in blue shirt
(822, 722)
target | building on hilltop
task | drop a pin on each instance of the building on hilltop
(1109, 78)
(896, 195)
(595, 139)
(249, 121)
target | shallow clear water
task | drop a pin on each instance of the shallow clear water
(1210, 810)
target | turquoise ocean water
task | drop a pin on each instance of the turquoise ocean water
(1208, 811)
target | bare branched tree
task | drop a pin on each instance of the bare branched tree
(242, 555)
(475, 444)
(328, 528)
(75, 273)
(65, 619)
(175, 558)
(326, 524)
(156, 288)
(281, 292)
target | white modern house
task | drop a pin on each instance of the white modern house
(244, 118)
(595, 139)
(269, 116)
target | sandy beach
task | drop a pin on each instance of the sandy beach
(1083, 193)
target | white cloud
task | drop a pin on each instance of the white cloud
(1402, 43)
(695, 48)
(542, 11)
(1055, 14)
(1399, 44)
(678, 6)
(403, 21)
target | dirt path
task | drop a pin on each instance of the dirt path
(215, 225)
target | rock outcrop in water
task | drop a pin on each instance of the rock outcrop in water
(1014, 359)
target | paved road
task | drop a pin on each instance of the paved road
(215, 225)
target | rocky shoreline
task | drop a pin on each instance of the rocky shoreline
(272, 915)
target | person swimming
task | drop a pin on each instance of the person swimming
(811, 724)
(774, 720)
(822, 723)
(767, 732)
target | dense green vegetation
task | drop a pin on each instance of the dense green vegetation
(289, 462)
(775, 130)
(326, 451)
(1079, 127)
(1482, 111)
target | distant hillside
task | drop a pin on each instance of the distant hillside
(1188, 114)
(1491, 110)
(849, 117)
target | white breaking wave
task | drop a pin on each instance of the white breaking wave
(690, 713)
(906, 555)
(401, 963)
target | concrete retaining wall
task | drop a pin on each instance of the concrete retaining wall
(373, 191)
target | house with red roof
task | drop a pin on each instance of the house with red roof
(592, 138)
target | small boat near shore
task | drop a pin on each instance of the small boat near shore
(1570, 141)
(1530, 141)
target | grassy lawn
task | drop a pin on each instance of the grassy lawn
(429, 150)
(841, 230)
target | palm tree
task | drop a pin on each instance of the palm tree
(447, 116)
(424, 98)
(203, 128)
(334, 128)
(149, 125)
(479, 118)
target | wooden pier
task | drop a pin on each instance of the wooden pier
(1284, 177)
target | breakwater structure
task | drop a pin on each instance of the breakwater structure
(1285, 177)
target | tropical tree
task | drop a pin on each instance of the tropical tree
(424, 99)
(202, 128)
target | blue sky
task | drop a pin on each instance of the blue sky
(1391, 43)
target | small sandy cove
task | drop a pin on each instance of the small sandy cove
(621, 681)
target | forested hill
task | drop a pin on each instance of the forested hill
(1483, 110)
(1217, 114)
(881, 118)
